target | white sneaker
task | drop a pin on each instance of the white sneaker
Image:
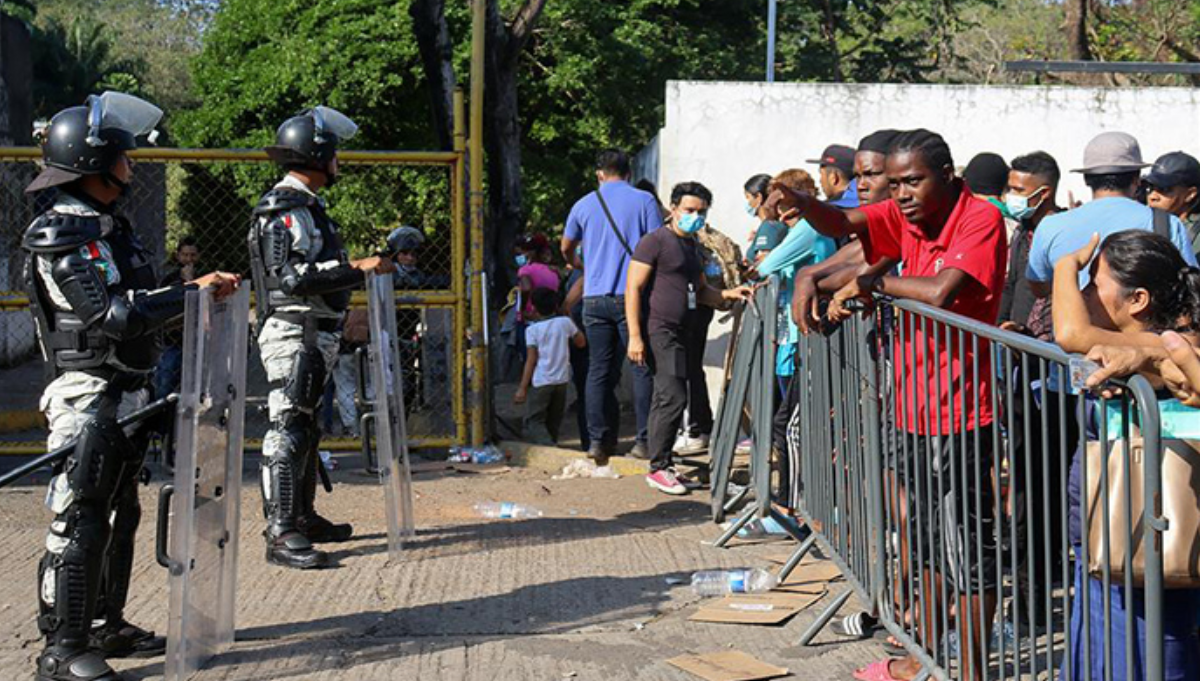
(691, 445)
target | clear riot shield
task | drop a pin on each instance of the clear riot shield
(204, 501)
(385, 373)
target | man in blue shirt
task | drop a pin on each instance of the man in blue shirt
(837, 180)
(1112, 162)
(609, 222)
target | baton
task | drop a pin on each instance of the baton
(50, 458)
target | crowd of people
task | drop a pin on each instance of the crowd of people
(1114, 278)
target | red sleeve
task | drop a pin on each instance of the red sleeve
(885, 223)
(978, 248)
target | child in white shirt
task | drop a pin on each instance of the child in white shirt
(547, 368)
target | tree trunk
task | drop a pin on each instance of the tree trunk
(1076, 27)
(433, 41)
(502, 140)
(829, 33)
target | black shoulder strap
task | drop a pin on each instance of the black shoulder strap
(1162, 222)
(613, 223)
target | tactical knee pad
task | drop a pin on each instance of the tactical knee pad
(306, 384)
(95, 467)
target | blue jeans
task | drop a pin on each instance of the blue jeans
(607, 337)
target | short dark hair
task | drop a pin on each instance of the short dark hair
(545, 301)
(1039, 164)
(187, 241)
(929, 145)
(1119, 182)
(646, 186)
(758, 184)
(613, 162)
(879, 141)
(690, 189)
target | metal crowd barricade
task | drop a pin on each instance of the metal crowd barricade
(966, 537)
(751, 389)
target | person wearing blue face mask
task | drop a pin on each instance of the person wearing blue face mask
(666, 288)
(1030, 197)
(770, 231)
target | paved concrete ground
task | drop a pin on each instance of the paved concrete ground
(580, 593)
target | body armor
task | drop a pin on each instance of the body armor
(289, 280)
(105, 327)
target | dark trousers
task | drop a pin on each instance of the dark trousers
(607, 337)
(669, 361)
(579, 377)
(544, 409)
(699, 410)
(1039, 485)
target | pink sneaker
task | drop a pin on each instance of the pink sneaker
(665, 481)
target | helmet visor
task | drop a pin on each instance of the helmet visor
(117, 110)
(333, 121)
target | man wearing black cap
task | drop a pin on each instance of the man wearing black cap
(1174, 184)
(848, 263)
(837, 175)
(99, 314)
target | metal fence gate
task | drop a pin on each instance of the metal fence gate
(208, 195)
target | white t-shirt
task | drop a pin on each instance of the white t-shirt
(552, 338)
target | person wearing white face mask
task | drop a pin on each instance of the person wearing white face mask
(1030, 197)
(667, 274)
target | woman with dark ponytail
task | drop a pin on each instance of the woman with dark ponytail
(770, 231)
(1137, 287)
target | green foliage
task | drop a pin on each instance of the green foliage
(265, 60)
(74, 60)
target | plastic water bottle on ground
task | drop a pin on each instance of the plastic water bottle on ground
(506, 510)
(722, 582)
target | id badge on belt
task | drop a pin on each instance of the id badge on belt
(691, 296)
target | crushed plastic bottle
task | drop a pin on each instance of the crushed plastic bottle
(487, 454)
(506, 510)
(722, 582)
(484, 454)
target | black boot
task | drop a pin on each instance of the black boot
(55, 664)
(122, 639)
(314, 527)
(322, 531)
(292, 550)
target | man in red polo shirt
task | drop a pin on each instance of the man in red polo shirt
(952, 246)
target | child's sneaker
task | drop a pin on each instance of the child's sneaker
(665, 481)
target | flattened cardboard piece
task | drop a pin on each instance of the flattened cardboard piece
(809, 576)
(768, 608)
(729, 665)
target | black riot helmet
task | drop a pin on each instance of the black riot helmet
(88, 139)
(310, 140)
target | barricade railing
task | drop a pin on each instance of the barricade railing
(988, 514)
(748, 400)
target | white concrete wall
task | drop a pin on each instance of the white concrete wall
(721, 133)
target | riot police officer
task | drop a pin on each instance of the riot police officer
(302, 282)
(98, 312)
